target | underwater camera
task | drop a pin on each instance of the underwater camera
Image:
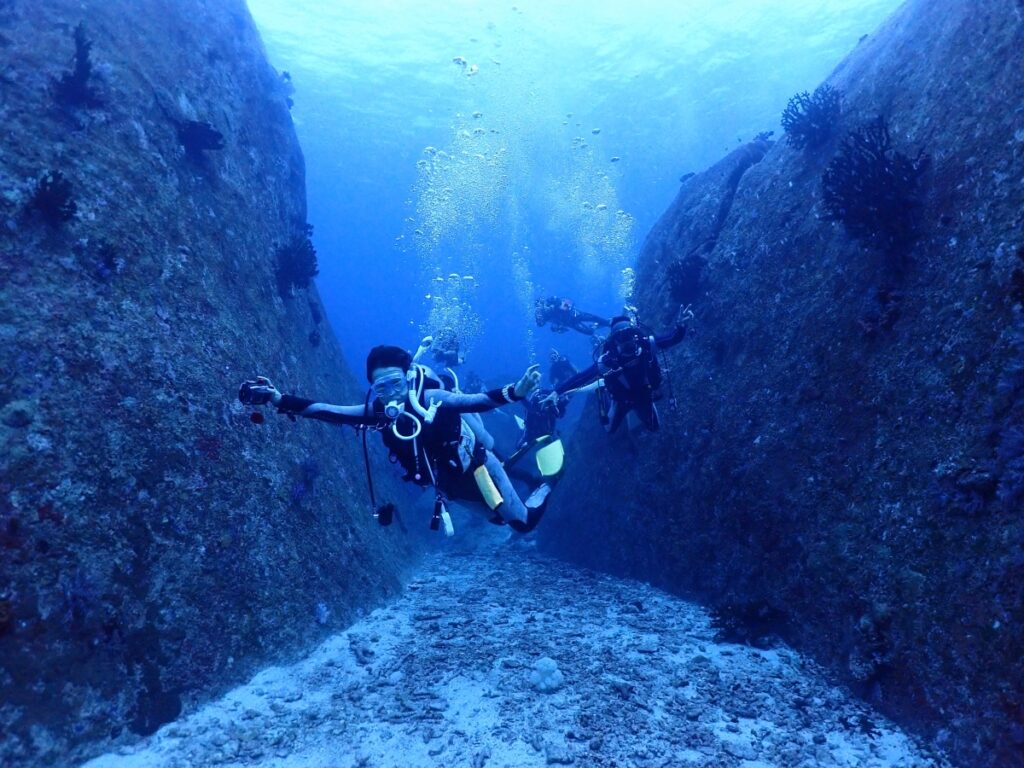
(248, 394)
(385, 513)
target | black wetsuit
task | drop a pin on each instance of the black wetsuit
(632, 381)
(561, 370)
(563, 316)
(445, 448)
(541, 415)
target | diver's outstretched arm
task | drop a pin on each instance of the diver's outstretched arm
(355, 415)
(670, 339)
(424, 346)
(591, 387)
(679, 333)
(463, 402)
(310, 409)
(581, 379)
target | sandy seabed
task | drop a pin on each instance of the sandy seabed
(451, 674)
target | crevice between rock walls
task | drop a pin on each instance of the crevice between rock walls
(156, 544)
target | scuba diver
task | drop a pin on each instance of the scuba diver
(561, 368)
(444, 349)
(627, 371)
(445, 352)
(544, 407)
(423, 428)
(473, 383)
(563, 316)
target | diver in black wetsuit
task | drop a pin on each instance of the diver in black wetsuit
(543, 406)
(422, 426)
(627, 364)
(561, 369)
(563, 316)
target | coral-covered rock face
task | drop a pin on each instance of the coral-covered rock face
(810, 120)
(156, 542)
(845, 468)
(874, 190)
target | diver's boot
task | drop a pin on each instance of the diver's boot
(539, 497)
(535, 506)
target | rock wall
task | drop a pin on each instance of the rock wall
(846, 465)
(155, 542)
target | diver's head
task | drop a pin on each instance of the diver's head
(561, 369)
(624, 338)
(446, 348)
(540, 311)
(387, 370)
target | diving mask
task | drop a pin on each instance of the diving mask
(392, 386)
(627, 343)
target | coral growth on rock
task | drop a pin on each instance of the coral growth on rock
(874, 190)
(52, 199)
(73, 88)
(810, 120)
(683, 278)
(296, 262)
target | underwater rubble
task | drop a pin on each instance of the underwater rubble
(485, 662)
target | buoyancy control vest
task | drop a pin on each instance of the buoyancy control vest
(447, 443)
(637, 377)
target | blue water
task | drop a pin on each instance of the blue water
(460, 155)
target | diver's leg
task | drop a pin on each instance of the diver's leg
(648, 415)
(476, 424)
(512, 508)
(617, 414)
(587, 317)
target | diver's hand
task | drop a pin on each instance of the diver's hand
(552, 402)
(265, 387)
(529, 382)
(550, 399)
(424, 346)
(685, 314)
